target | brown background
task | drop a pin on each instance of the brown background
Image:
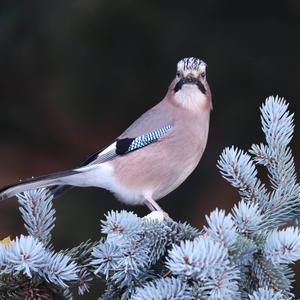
(74, 74)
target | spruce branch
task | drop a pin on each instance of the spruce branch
(59, 269)
(283, 246)
(200, 258)
(162, 289)
(247, 217)
(277, 122)
(267, 294)
(221, 228)
(37, 210)
(237, 167)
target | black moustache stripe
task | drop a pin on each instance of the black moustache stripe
(181, 82)
(201, 87)
(178, 85)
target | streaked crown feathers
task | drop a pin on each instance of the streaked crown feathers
(191, 63)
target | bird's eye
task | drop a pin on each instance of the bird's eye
(203, 74)
(178, 74)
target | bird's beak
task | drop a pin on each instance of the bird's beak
(189, 79)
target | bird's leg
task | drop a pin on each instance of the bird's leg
(153, 206)
(149, 205)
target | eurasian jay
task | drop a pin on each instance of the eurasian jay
(154, 155)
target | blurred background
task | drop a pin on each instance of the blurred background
(74, 74)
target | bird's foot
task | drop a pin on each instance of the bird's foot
(157, 212)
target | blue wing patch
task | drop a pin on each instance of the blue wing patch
(130, 144)
(148, 138)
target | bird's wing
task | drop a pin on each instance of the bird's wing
(122, 146)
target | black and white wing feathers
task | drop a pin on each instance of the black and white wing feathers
(123, 146)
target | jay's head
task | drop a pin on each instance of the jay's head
(190, 88)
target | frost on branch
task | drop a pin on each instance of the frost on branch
(241, 254)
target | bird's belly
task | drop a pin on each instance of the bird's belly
(150, 175)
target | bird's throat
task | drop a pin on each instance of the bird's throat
(190, 97)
